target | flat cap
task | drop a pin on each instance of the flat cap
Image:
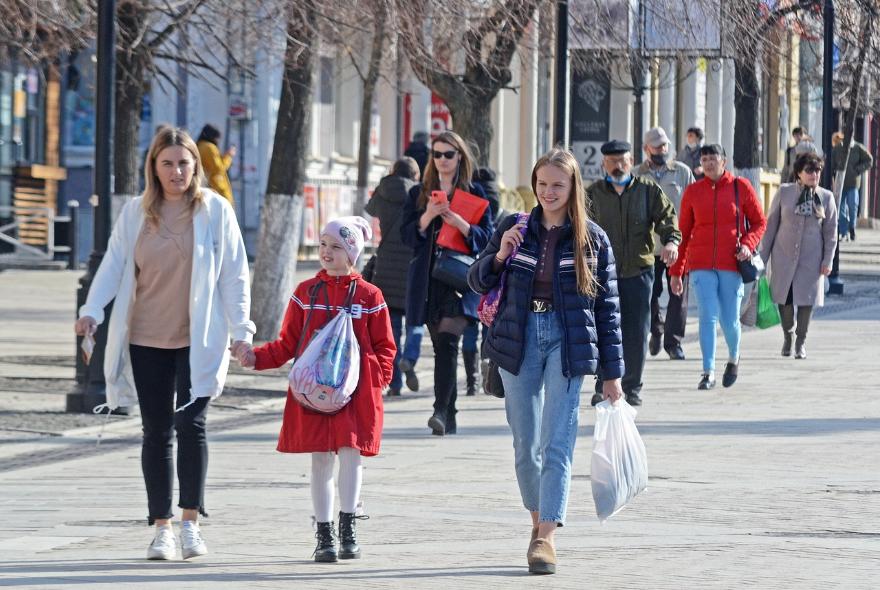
(656, 137)
(615, 146)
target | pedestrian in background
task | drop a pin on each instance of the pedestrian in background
(418, 150)
(558, 321)
(356, 429)
(797, 135)
(216, 166)
(673, 177)
(710, 223)
(858, 162)
(799, 244)
(390, 267)
(446, 311)
(630, 209)
(177, 271)
(690, 153)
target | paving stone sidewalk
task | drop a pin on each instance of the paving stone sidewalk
(773, 483)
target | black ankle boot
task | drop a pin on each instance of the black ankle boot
(348, 545)
(471, 370)
(326, 549)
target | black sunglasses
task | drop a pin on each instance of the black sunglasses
(448, 155)
(812, 169)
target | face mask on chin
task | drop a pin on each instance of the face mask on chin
(618, 180)
(692, 144)
(659, 159)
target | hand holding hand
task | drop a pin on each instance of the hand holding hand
(611, 390)
(243, 353)
(669, 254)
(85, 325)
(676, 285)
(510, 239)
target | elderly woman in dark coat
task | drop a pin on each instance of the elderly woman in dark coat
(799, 244)
(390, 264)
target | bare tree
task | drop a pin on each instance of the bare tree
(38, 30)
(462, 50)
(281, 216)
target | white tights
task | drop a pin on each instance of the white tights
(350, 478)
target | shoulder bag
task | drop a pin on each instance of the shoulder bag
(751, 268)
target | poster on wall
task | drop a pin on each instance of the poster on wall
(590, 118)
(310, 215)
(441, 119)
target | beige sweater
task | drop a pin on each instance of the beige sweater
(163, 270)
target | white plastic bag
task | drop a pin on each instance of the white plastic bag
(619, 466)
(325, 375)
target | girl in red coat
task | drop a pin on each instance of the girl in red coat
(357, 429)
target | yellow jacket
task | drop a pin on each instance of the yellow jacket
(215, 167)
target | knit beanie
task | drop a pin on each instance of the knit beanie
(351, 232)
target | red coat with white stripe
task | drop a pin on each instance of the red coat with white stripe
(359, 424)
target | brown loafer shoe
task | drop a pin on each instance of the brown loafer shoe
(541, 557)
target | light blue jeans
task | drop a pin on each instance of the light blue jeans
(849, 211)
(719, 293)
(542, 410)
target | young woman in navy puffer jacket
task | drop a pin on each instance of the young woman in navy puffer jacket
(558, 321)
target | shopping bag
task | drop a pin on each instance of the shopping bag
(619, 466)
(325, 375)
(767, 312)
(489, 302)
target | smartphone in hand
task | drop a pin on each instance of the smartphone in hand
(439, 197)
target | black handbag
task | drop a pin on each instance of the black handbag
(492, 384)
(751, 268)
(451, 268)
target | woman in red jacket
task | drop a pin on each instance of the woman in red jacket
(357, 429)
(709, 251)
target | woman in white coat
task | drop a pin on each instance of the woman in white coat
(177, 269)
(799, 244)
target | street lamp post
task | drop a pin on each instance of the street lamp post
(559, 133)
(835, 284)
(90, 388)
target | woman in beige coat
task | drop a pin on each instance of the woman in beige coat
(799, 243)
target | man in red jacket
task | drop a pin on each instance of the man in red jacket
(721, 222)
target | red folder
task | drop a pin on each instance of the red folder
(471, 208)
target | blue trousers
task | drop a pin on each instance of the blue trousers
(849, 211)
(412, 347)
(719, 294)
(542, 410)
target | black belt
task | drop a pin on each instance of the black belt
(541, 306)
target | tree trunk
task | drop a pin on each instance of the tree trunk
(472, 119)
(367, 107)
(281, 216)
(745, 132)
(849, 119)
(130, 88)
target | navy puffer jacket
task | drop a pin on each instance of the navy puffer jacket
(590, 326)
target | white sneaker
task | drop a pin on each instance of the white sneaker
(164, 545)
(192, 544)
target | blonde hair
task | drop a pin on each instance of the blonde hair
(431, 178)
(836, 138)
(565, 161)
(153, 196)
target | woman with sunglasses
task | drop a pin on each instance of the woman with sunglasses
(799, 243)
(446, 311)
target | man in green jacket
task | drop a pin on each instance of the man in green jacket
(858, 163)
(630, 210)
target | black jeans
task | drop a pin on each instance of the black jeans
(158, 373)
(635, 320)
(672, 327)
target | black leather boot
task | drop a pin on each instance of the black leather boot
(471, 370)
(325, 552)
(348, 545)
(445, 372)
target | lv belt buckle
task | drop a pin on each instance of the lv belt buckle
(539, 306)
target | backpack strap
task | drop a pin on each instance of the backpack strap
(352, 287)
(313, 297)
